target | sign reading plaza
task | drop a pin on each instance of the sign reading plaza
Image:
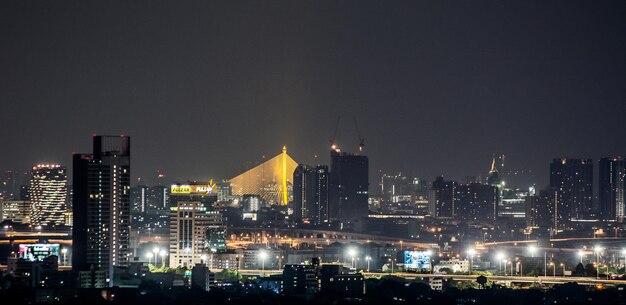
(193, 188)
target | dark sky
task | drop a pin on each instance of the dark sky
(203, 87)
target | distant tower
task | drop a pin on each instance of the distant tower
(48, 192)
(572, 179)
(348, 186)
(494, 178)
(611, 188)
(310, 194)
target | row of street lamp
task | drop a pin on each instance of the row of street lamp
(156, 252)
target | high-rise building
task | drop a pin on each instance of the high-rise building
(348, 186)
(48, 192)
(540, 209)
(159, 197)
(189, 223)
(310, 194)
(442, 198)
(9, 185)
(101, 207)
(476, 201)
(573, 181)
(611, 188)
(139, 198)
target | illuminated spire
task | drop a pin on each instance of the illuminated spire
(493, 166)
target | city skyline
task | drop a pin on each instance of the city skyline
(435, 88)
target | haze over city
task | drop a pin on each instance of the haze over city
(437, 88)
(312, 153)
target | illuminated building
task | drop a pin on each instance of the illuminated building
(540, 210)
(442, 198)
(189, 223)
(269, 179)
(310, 194)
(611, 188)
(9, 185)
(476, 201)
(139, 198)
(348, 186)
(203, 192)
(15, 210)
(573, 181)
(48, 192)
(101, 205)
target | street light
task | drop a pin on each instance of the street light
(64, 251)
(563, 266)
(553, 269)
(149, 255)
(597, 250)
(471, 253)
(163, 254)
(352, 253)
(624, 253)
(156, 250)
(263, 256)
(581, 254)
(368, 259)
(500, 257)
(532, 249)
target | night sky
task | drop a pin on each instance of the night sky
(205, 87)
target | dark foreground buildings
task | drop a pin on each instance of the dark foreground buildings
(101, 205)
(348, 186)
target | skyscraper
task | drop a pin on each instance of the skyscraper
(310, 194)
(348, 186)
(476, 201)
(611, 188)
(48, 192)
(572, 179)
(101, 207)
(441, 198)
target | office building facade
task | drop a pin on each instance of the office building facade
(48, 192)
(572, 179)
(310, 194)
(101, 205)
(348, 186)
(611, 188)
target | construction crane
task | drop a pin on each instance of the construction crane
(358, 133)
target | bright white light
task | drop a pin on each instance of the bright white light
(500, 256)
(352, 252)
(163, 253)
(581, 253)
(155, 250)
(532, 249)
(429, 252)
(263, 254)
(471, 252)
(64, 250)
(149, 255)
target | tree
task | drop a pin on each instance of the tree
(481, 280)
(580, 270)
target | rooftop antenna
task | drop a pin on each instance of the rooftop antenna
(358, 132)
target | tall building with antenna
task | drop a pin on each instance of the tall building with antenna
(101, 205)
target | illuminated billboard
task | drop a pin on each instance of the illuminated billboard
(33, 252)
(416, 260)
(193, 189)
